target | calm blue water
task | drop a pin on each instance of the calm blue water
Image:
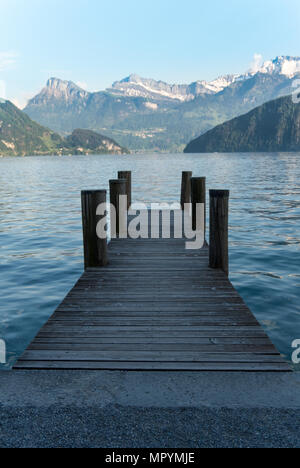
(41, 240)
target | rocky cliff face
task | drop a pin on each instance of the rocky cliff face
(134, 85)
(56, 90)
(272, 127)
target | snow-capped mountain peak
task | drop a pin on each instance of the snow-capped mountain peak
(288, 66)
(136, 86)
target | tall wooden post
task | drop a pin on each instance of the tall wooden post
(118, 188)
(127, 175)
(218, 244)
(186, 188)
(95, 249)
(198, 195)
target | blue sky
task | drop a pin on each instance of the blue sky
(96, 42)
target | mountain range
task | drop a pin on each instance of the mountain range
(272, 127)
(145, 114)
(20, 136)
(135, 86)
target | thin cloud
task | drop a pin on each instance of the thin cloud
(256, 63)
(22, 99)
(7, 60)
(82, 85)
(2, 90)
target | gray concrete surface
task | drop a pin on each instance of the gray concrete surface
(149, 409)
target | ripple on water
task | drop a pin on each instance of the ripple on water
(41, 240)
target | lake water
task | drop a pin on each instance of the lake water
(41, 242)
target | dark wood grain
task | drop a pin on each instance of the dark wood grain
(95, 249)
(185, 188)
(127, 175)
(198, 196)
(118, 188)
(218, 240)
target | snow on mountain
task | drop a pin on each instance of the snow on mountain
(137, 86)
(288, 66)
(134, 85)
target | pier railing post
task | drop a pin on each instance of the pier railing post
(95, 249)
(127, 175)
(118, 191)
(218, 243)
(185, 188)
(198, 195)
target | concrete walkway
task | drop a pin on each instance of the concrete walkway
(149, 409)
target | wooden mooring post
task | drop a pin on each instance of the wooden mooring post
(118, 222)
(185, 188)
(95, 249)
(218, 243)
(198, 195)
(128, 177)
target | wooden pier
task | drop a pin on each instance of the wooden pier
(155, 306)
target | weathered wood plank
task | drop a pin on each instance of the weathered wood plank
(160, 356)
(152, 332)
(198, 300)
(82, 315)
(210, 330)
(152, 322)
(257, 348)
(150, 340)
(161, 366)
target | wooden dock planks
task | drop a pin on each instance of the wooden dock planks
(156, 306)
